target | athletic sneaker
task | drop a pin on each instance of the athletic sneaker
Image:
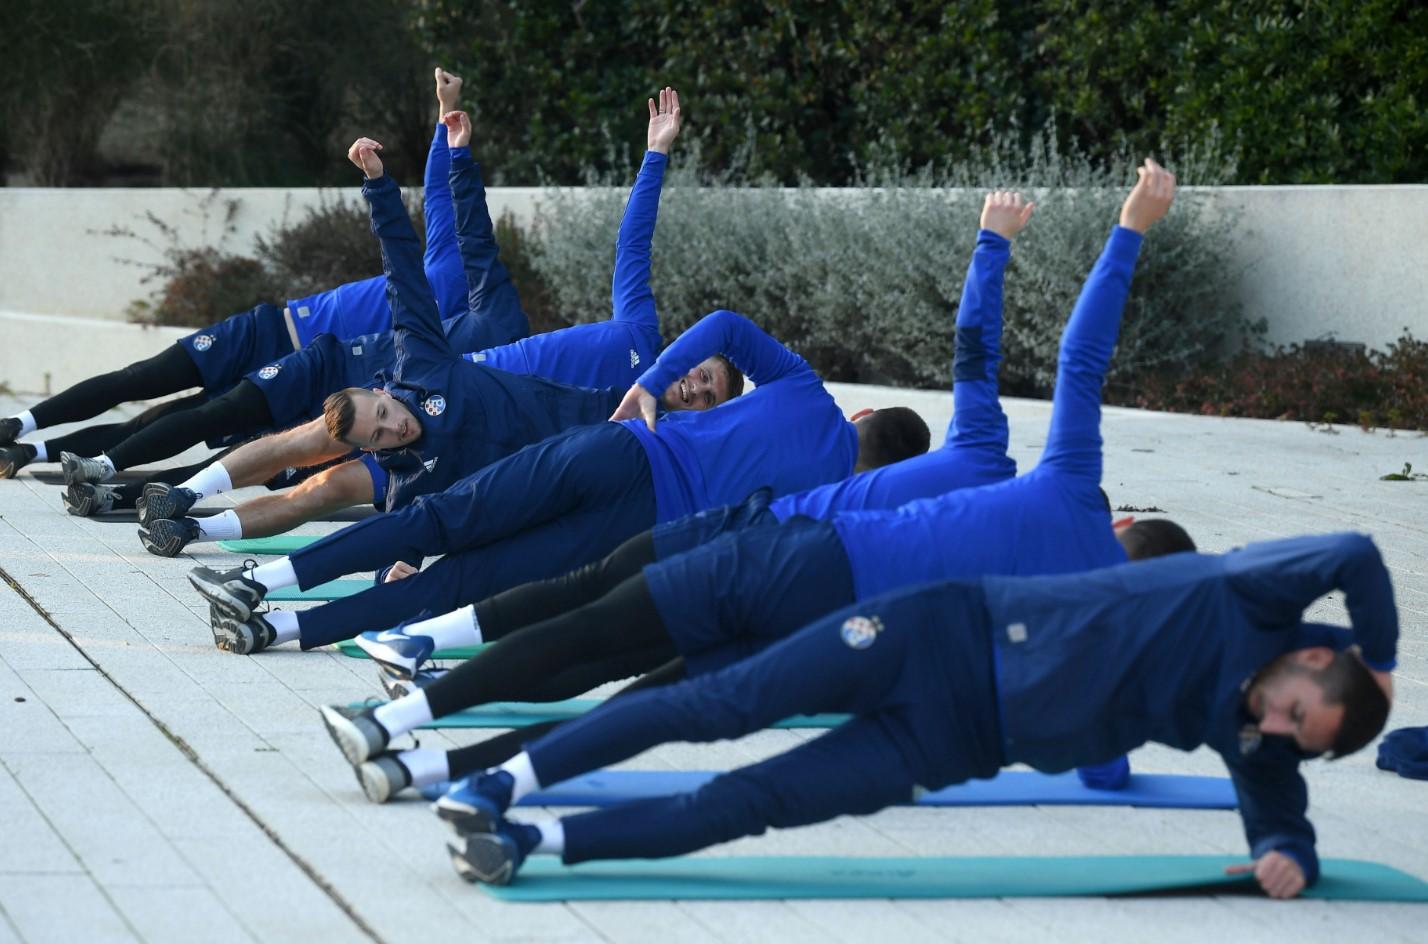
(10, 428)
(87, 499)
(496, 856)
(398, 654)
(231, 592)
(161, 500)
(13, 458)
(401, 688)
(243, 637)
(166, 537)
(477, 803)
(383, 777)
(78, 469)
(356, 732)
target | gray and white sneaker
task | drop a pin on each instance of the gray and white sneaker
(231, 592)
(243, 637)
(355, 731)
(161, 500)
(401, 688)
(383, 777)
(78, 469)
(87, 499)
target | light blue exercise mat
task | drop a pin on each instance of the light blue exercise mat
(279, 545)
(1009, 788)
(543, 878)
(332, 590)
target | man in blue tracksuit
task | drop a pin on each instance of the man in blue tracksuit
(953, 681)
(574, 497)
(601, 354)
(728, 599)
(218, 357)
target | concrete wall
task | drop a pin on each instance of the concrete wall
(1346, 261)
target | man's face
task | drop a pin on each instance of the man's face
(1287, 701)
(703, 388)
(382, 422)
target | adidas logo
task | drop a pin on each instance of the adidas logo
(634, 358)
(430, 463)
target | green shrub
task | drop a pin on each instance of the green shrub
(865, 283)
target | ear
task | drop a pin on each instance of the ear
(866, 411)
(1316, 658)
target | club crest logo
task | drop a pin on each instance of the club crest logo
(203, 342)
(269, 372)
(859, 632)
(435, 405)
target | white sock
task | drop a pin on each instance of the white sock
(212, 479)
(27, 423)
(285, 625)
(552, 837)
(426, 765)
(404, 714)
(449, 630)
(224, 527)
(41, 453)
(275, 575)
(520, 768)
(107, 461)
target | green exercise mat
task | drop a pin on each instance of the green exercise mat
(518, 714)
(332, 590)
(279, 545)
(350, 649)
(802, 877)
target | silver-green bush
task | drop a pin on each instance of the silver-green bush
(864, 281)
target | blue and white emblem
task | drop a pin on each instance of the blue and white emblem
(203, 342)
(435, 405)
(859, 632)
(634, 358)
(269, 372)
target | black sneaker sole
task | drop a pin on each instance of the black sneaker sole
(466, 820)
(486, 859)
(165, 538)
(226, 603)
(162, 505)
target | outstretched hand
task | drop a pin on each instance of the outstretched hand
(1005, 213)
(664, 120)
(1150, 199)
(363, 153)
(458, 128)
(1278, 874)
(638, 402)
(448, 90)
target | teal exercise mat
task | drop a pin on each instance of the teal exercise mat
(747, 878)
(1009, 788)
(518, 714)
(353, 651)
(332, 590)
(278, 546)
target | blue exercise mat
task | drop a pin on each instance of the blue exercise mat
(813, 877)
(332, 590)
(1009, 788)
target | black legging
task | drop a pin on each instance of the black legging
(501, 748)
(241, 410)
(539, 600)
(617, 636)
(92, 440)
(169, 371)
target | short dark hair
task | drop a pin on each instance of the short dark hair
(1347, 681)
(890, 435)
(735, 375)
(1154, 537)
(339, 411)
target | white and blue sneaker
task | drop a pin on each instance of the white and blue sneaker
(476, 804)
(401, 688)
(398, 654)
(494, 857)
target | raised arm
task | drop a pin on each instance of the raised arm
(1273, 800)
(1073, 441)
(416, 325)
(630, 295)
(977, 418)
(442, 261)
(1277, 580)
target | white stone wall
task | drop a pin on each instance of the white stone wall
(1351, 262)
